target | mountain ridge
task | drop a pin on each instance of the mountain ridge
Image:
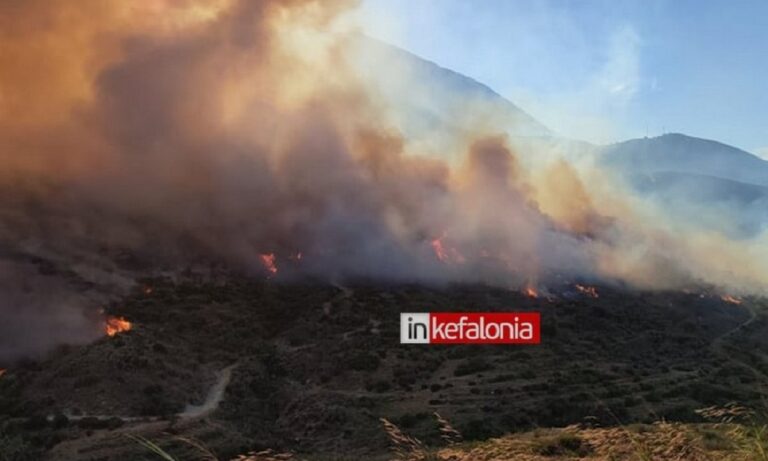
(670, 152)
(680, 153)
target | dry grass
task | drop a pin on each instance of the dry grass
(734, 436)
(662, 441)
(447, 432)
(405, 447)
(265, 455)
(205, 454)
(747, 432)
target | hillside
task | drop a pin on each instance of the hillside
(713, 185)
(659, 441)
(314, 367)
(736, 209)
(141, 299)
(427, 101)
(679, 153)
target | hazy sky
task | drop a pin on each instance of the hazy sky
(602, 70)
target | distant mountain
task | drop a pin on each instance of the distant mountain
(427, 99)
(685, 154)
(736, 209)
(704, 182)
(701, 188)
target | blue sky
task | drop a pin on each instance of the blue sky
(602, 70)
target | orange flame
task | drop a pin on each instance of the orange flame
(148, 290)
(587, 290)
(446, 255)
(531, 291)
(730, 299)
(437, 246)
(268, 260)
(2, 372)
(115, 325)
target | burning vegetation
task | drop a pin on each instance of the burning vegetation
(731, 299)
(587, 291)
(252, 127)
(212, 140)
(334, 359)
(268, 261)
(447, 255)
(330, 163)
(531, 291)
(115, 325)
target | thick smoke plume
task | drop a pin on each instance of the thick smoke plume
(180, 132)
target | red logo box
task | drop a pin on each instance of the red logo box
(470, 328)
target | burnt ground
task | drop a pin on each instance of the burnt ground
(317, 365)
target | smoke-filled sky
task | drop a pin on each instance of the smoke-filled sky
(603, 70)
(140, 137)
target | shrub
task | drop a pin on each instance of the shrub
(563, 445)
(470, 366)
